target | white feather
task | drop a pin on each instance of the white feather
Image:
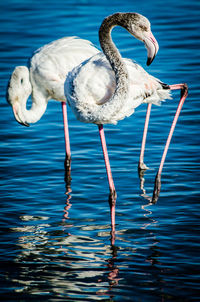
(91, 84)
(45, 78)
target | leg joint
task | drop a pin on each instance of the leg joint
(184, 90)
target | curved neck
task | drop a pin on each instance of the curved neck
(111, 52)
(38, 107)
(36, 111)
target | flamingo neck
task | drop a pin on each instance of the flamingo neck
(112, 54)
(36, 112)
(37, 109)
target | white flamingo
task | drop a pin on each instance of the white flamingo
(107, 88)
(45, 78)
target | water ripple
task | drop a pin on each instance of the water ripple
(56, 240)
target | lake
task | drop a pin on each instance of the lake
(55, 237)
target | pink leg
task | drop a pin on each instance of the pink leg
(66, 132)
(141, 165)
(113, 195)
(184, 93)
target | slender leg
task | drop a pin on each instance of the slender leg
(184, 93)
(113, 195)
(66, 132)
(67, 148)
(141, 165)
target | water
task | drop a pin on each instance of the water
(56, 246)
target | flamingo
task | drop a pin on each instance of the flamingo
(45, 78)
(107, 88)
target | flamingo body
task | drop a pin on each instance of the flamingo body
(90, 86)
(101, 87)
(52, 62)
(107, 88)
(45, 77)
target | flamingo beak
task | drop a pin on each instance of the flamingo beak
(152, 47)
(15, 111)
(24, 124)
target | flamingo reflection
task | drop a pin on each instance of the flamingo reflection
(141, 174)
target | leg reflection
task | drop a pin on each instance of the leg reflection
(68, 205)
(112, 273)
(114, 270)
(142, 188)
(67, 178)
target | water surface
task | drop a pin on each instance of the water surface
(56, 246)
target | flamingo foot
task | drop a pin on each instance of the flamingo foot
(142, 167)
(141, 170)
(157, 187)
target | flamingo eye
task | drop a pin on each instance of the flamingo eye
(143, 27)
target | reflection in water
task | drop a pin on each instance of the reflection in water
(112, 275)
(147, 214)
(102, 272)
(141, 174)
(67, 179)
(64, 260)
(46, 256)
(68, 205)
(111, 201)
(60, 259)
(61, 262)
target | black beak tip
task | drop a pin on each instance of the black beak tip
(24, 124)
(150, 60)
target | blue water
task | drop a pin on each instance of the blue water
(56, 246)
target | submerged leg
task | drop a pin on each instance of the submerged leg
(67, 148)
(184, 93)
(113, 195)
(141, 165)
(66, 132)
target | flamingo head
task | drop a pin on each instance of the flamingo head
(140, 27)
(18, 90)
